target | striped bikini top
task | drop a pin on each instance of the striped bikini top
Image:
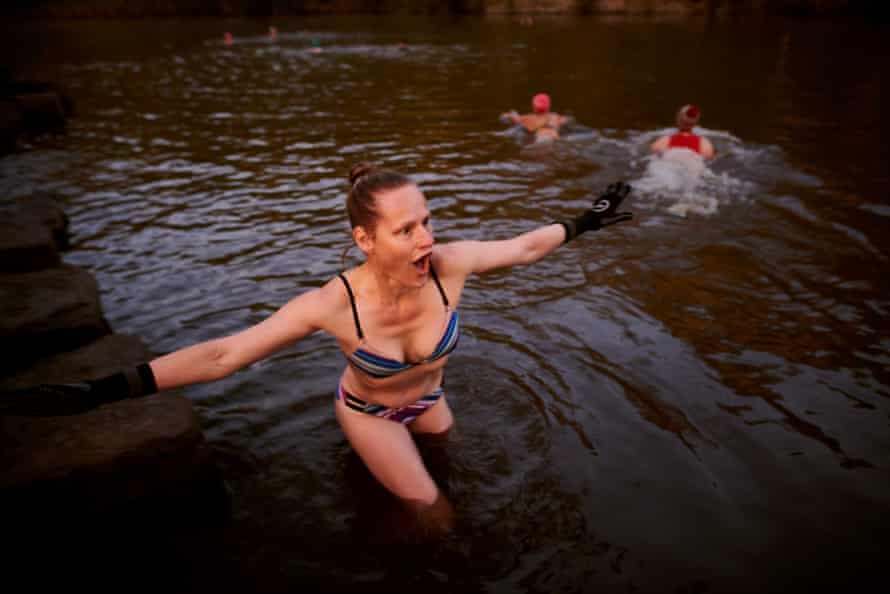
(379, 366)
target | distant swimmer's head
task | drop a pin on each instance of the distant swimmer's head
(687, 117)
(541, 103)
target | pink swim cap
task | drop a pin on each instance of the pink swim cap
(541, 103)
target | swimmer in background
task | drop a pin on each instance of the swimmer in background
(687, 118)
(543, 123)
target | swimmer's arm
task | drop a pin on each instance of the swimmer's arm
(529, 122)
(511, 116)
(660, 145)
(706, 149)
(218, 358)
(477, 257)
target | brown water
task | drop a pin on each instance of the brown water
(680, 403)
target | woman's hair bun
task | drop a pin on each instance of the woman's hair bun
(359, 170)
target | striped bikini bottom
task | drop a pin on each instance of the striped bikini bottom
(402, 414)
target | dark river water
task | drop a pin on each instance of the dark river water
(695, 401)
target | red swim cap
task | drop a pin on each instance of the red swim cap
(541, 103)
(687, 117)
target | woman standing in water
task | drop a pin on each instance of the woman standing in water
(395, 319)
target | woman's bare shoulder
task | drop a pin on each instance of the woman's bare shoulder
(323, 304)
(452, 262)
(333, 294)
(454, 258)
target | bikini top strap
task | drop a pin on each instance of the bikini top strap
(438, 284)
(358, 326)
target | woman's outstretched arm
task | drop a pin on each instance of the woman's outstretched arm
(476, 257)
(210, 360)
(218, 358)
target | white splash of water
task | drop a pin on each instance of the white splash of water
(678, 182)
(679, 176)
(683, 183)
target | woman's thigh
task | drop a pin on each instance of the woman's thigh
(437, 419)
(389, 452)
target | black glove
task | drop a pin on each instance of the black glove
(72, 399)
(601, 214)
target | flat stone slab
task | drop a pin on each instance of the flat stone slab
(32, 233)
(26, 244)
(95, 498)
(20, 393)
(83, 452)
(133, 466)
(141, 463)
(71, 451)
(46, 312)
(104, 356)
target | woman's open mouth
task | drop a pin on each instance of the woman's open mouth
(422, 264)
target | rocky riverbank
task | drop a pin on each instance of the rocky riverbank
(136, 468)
